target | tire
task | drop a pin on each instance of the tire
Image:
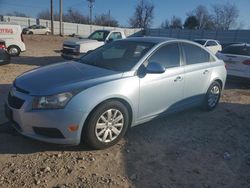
(212, 97)
(47, 33)
(14, 50)
(110, 132)
(30, 33)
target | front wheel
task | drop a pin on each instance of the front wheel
(14, 50)
(106, 125)
(212, 97)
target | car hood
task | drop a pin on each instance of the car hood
(62, 77)
(76, 41)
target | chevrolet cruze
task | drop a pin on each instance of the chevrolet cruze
(119, 85)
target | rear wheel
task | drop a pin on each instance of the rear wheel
(106, 125)
(30, 33)
(212, 96)
(14, 50)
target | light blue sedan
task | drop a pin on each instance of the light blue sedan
(120, 85)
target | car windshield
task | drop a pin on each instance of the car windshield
(99, 35)
(237, 50)
(202, 42)
(119, 56)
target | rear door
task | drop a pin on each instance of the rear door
(197, 72)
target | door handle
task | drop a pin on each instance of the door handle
(178, 78)
(206, 71)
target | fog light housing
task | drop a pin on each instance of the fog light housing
(73, 128)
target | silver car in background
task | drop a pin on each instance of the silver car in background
(120, 85)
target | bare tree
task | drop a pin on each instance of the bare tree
(191, 22)
(105, 20)
(18, 14)
(175, 23)
(143, 16)
(225, 16)
(72, 15)
(165, 24)
(45, 15)
(205, 20)
(76, 17)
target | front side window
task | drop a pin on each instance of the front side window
(195, 54)
(119, 55)
(211, 43)
(99, 35)
(115, 36)
(168, 56)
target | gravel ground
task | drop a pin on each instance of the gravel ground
(188, 149)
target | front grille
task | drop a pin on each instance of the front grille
(48, 132)
(67, 51)
(15, 102)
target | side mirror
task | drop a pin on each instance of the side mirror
(155, 68)
(110, 40)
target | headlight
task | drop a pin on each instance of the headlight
(52, 102)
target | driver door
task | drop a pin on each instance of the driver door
(163, 92)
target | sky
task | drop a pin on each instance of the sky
(122, 10)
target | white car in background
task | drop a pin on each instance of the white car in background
(74, 48)
(37, 29)
(213, 45)
(237, 59)
(12, 35)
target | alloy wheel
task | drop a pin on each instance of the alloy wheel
(109, 125)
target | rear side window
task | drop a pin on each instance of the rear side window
(237, 50)
(194, 54)
(168, 56)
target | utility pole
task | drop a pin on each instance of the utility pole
(51, 17)
(60, 4)
(109, 13)
(91, 5)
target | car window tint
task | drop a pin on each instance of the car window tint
(168, 56)
(195, 54)
(211, 43)
(118, 55)
(202, 42)
(237, 50)
(115, 36)
(113, 53)
(99, 35)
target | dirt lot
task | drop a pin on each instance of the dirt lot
(189, 149)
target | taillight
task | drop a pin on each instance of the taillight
(22, 37)
(2, 46)
(246, 62)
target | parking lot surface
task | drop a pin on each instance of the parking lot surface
(192, 148)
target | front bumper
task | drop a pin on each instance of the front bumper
(45, 125)
(71, 56)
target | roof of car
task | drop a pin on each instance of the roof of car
(205, 39)
(240, 45)
(150, 39)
